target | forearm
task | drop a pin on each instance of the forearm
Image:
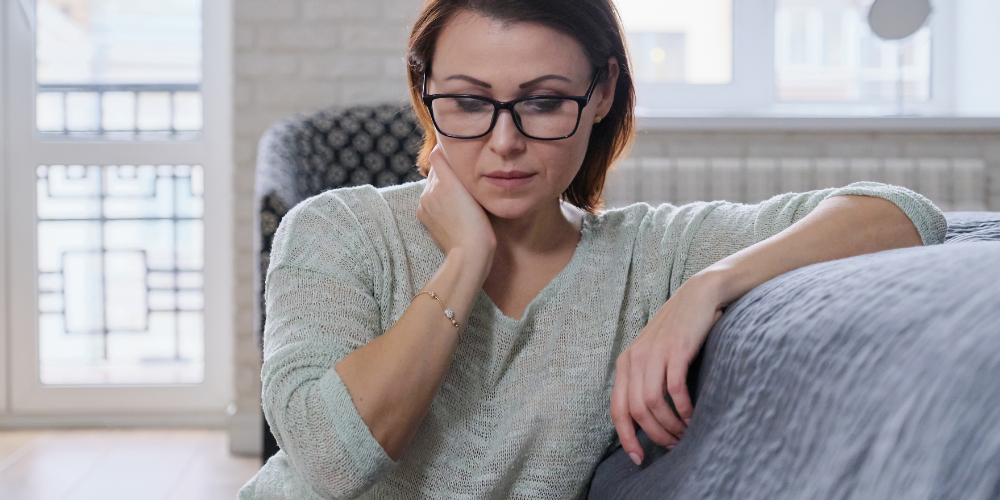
(659, 358)
(839, 227)
(393, 379)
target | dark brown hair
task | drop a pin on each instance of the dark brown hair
(593, 23)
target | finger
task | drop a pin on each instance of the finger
(620, 414)
(427, 197)
(677, 385)
(640, 412)
(654, 395)
(436, 153)
(431, 179)
(443, 172)
(422, 214)
(438, 160)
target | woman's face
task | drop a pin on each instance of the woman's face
(509, 174)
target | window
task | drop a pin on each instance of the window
(118, 144)
(809, 57)
(680, 41)
(695, 56)
(120, 274)
(119, 246)
(827, 53)
(118, 67)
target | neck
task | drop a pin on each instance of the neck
(548, 229)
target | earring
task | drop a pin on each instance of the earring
(597, 119)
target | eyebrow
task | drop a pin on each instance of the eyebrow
(524, 85)
(470, 80)
(540, 79)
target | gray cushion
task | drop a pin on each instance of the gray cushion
(871, 377)
(973, 226)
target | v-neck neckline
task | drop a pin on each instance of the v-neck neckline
(550, 288)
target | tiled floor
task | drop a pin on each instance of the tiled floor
(120, 465)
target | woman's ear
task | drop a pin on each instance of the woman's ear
(605, 92)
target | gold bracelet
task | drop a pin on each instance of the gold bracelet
(447, 312)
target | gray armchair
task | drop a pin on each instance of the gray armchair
(309, 154)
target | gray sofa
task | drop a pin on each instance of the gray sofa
(872, 377)
(875, 377)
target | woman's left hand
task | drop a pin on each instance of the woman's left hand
(659, 357)
(657, 362)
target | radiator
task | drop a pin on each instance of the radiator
(951, 183)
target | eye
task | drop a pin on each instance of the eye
(544, 105)
(469, 105)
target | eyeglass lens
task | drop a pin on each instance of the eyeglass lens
(539, 118)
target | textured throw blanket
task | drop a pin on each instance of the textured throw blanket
(875, 377)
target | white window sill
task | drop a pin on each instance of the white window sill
(777, 123)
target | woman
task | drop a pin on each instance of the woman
(485, 333)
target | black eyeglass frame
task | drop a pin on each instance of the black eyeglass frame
(581, 101)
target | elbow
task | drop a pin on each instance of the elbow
(900, 231)
(324, 450)
(890, 226)
(332, 483)
(923, 223)
(883, 223)
(904, 232)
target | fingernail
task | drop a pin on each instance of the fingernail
(635, 458)
(671, 446)
(687, 421)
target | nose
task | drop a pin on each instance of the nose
(505, 138)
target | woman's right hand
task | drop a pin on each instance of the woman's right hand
(454, 219)
(394, 378)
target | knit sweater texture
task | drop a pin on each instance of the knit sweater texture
(524, 410)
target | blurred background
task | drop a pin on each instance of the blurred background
(129, 132)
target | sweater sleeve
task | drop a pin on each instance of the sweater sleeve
(320, 307)
(731, 227)
(674, 243)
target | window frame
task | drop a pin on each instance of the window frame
(4, 336)
(28, 402)
(753, 92)
(753, 45)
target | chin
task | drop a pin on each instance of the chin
(508, 208)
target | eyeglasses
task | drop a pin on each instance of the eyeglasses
(541, 117)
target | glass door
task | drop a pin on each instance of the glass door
(118, 182)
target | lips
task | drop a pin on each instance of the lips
(509, 178)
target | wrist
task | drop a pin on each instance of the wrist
(721, 285)
(474, 254)
(472, 261)
(459, 279)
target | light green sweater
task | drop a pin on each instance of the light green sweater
(524, 409)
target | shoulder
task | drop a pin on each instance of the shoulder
(618, 229)
(350, 218)
(621, 218)
(359, 200)
(354, 206)
(650, 230)
(642, 217)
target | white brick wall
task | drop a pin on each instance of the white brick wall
(301, 55)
